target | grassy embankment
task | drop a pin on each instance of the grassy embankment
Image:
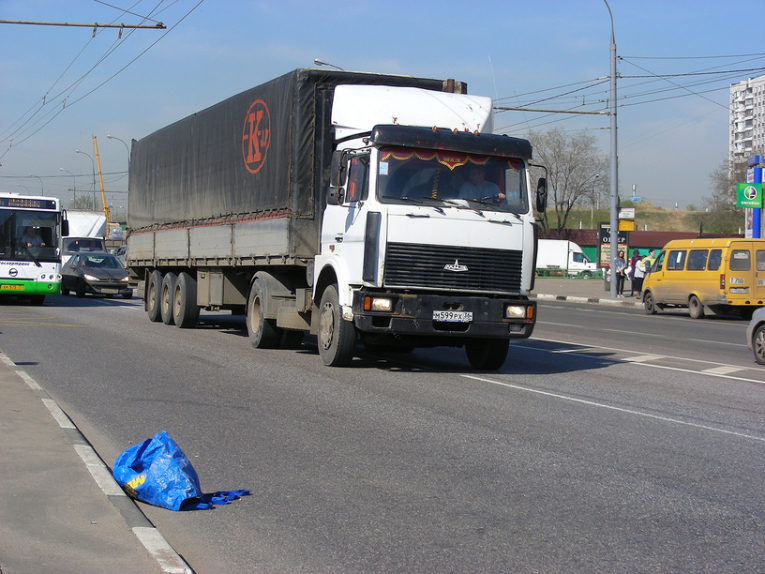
(647, 216)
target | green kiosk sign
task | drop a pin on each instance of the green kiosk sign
(749, 195)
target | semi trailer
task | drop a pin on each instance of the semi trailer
(361, 208)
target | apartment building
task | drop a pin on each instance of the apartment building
(747, 119)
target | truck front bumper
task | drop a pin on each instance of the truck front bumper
(464, 317)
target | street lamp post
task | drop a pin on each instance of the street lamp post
(614, 219)
(123, 143)
(74, 185)
(320, 62)
(93, 163)
(41, 183)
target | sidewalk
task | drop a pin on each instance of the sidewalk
(60, 509)
(580, 291)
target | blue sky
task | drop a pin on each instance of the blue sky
(673, 132)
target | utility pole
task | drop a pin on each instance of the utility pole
(614, 220)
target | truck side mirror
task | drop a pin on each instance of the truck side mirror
(541, 195)
(64, 227)
(337, 178)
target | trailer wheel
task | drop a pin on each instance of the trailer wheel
(263, 332)
(695, 307)
(166, 298)
(336, 337)
(487, 354)
(185, 309)
(153, 296)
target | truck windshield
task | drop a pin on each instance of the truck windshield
(452, 178)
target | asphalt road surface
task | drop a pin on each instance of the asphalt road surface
(609, 442)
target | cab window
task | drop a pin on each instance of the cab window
(715, 258)
(676, 260)
(740, 260)
(697, 260)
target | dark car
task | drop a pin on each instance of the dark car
(95, 272)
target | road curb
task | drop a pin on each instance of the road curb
(168, 560)
(591, 300)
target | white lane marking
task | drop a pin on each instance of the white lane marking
(724, 370)
(643, 358)
(163, 553)
(63, 421)
(584, 348)
(98, 471)
(612, 408)
(31, 383)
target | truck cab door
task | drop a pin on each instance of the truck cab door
(344, 222)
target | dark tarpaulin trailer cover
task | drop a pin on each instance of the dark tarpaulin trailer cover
(262, 153)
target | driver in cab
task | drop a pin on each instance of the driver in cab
(476, 187)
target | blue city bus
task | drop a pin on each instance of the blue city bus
(30, 256)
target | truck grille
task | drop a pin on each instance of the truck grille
(452, 268)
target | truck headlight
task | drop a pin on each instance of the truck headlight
(382, 304)
(515, 311)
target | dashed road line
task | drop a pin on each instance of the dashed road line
(613, 408)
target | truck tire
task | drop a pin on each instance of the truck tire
(153, 296)
(695, 307)
(263, 332)
(336, 337)
(166, 298)
(185, 308)
(487, 354)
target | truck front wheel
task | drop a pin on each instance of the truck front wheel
(487, 354)
(336, 337)
(263, 332)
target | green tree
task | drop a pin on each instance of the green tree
(576, 172)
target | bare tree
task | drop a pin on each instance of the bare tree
(722, 214)
(576, 169)
(83, 201)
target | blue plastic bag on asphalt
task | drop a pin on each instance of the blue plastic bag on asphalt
(157, 472)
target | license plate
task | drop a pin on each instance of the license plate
(453, 316)
(110, 291)
(12, 287)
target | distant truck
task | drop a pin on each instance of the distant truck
(86, 233)
(565, 256)
(337, 203)
(86, 223)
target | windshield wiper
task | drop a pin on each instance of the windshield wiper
(463, 203)
(31, 255)
(421, 202)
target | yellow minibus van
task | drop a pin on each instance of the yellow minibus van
(721, 274)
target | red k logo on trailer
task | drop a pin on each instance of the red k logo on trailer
(256, 136)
